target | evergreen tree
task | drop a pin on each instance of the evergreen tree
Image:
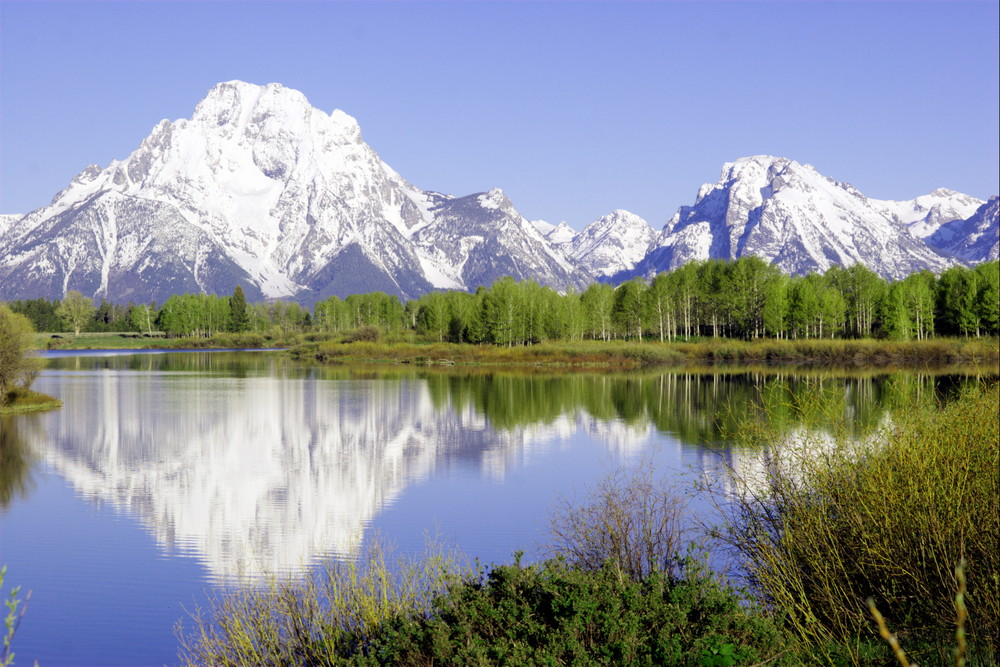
(239, 319)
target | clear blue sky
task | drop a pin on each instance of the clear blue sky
(574, 109)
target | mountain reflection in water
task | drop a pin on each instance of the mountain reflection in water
(256, 465)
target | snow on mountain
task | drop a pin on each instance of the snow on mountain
(476, 239)
(7, 221)
(789, 215)
(975, 239)
(561, 234)
(261, 189)
(612, 244)
(257, 188)
(925, 214)
(542, 226)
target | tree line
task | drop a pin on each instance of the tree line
(746, 298)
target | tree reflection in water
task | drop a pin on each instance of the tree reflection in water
(16, 458)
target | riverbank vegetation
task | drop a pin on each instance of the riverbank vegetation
(18, 368)
(745, 299)
(631, 354)
(888, 518)
(832, 527)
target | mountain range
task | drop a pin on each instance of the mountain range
(261, 189)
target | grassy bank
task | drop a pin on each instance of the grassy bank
(625, 354)
(24, 400)
(131, 341)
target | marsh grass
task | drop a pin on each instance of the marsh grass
(628, 354)
(887, 518)
(329, 617)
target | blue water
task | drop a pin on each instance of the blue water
(166, 475)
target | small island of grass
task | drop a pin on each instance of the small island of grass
(25, 400)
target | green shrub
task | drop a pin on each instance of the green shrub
(887, 519)
(555, 614)
(367, 334)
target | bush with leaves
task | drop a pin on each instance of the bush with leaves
(888, 519)
(18, 368)
(553, 613)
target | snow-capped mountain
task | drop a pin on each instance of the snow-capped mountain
(974, 240)
(790, 215)
(259, 188)
(558, 236)
(7, 221)
(474, 240)
(612, 244)
(925, 214)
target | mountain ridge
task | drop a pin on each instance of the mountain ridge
(261, 189)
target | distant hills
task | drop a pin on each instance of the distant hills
(261, 189)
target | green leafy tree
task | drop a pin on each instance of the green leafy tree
(660, 305)
(988, 298)
(956, 298)
(893, 315)
(918, 296)
(41, 312)
(76, 310)
(501, 312)
(143, 316)
(629, 308)
(598, 302)
(239, 319)
(433, 316)
(17, 367)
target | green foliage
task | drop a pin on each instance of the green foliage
(239, 318)
(552, 613)
(18, 368)
(41, 312)
(326, 619)
(76, 310)
(12, 620)
(742, 299)
(889, 518)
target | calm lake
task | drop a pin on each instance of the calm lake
(165, 475)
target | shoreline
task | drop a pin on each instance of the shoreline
(630, 355)
(30, 401)
(578, 354)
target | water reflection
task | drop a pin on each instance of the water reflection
(254, 464)
(16, 456)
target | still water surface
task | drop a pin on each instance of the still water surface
(165, 475)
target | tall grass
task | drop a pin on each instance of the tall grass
(630, 354)
(886, 519)
(324, 619)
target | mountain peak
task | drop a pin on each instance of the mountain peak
(789, 214)
(237, 104)
(613, 243)
(494, 199)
